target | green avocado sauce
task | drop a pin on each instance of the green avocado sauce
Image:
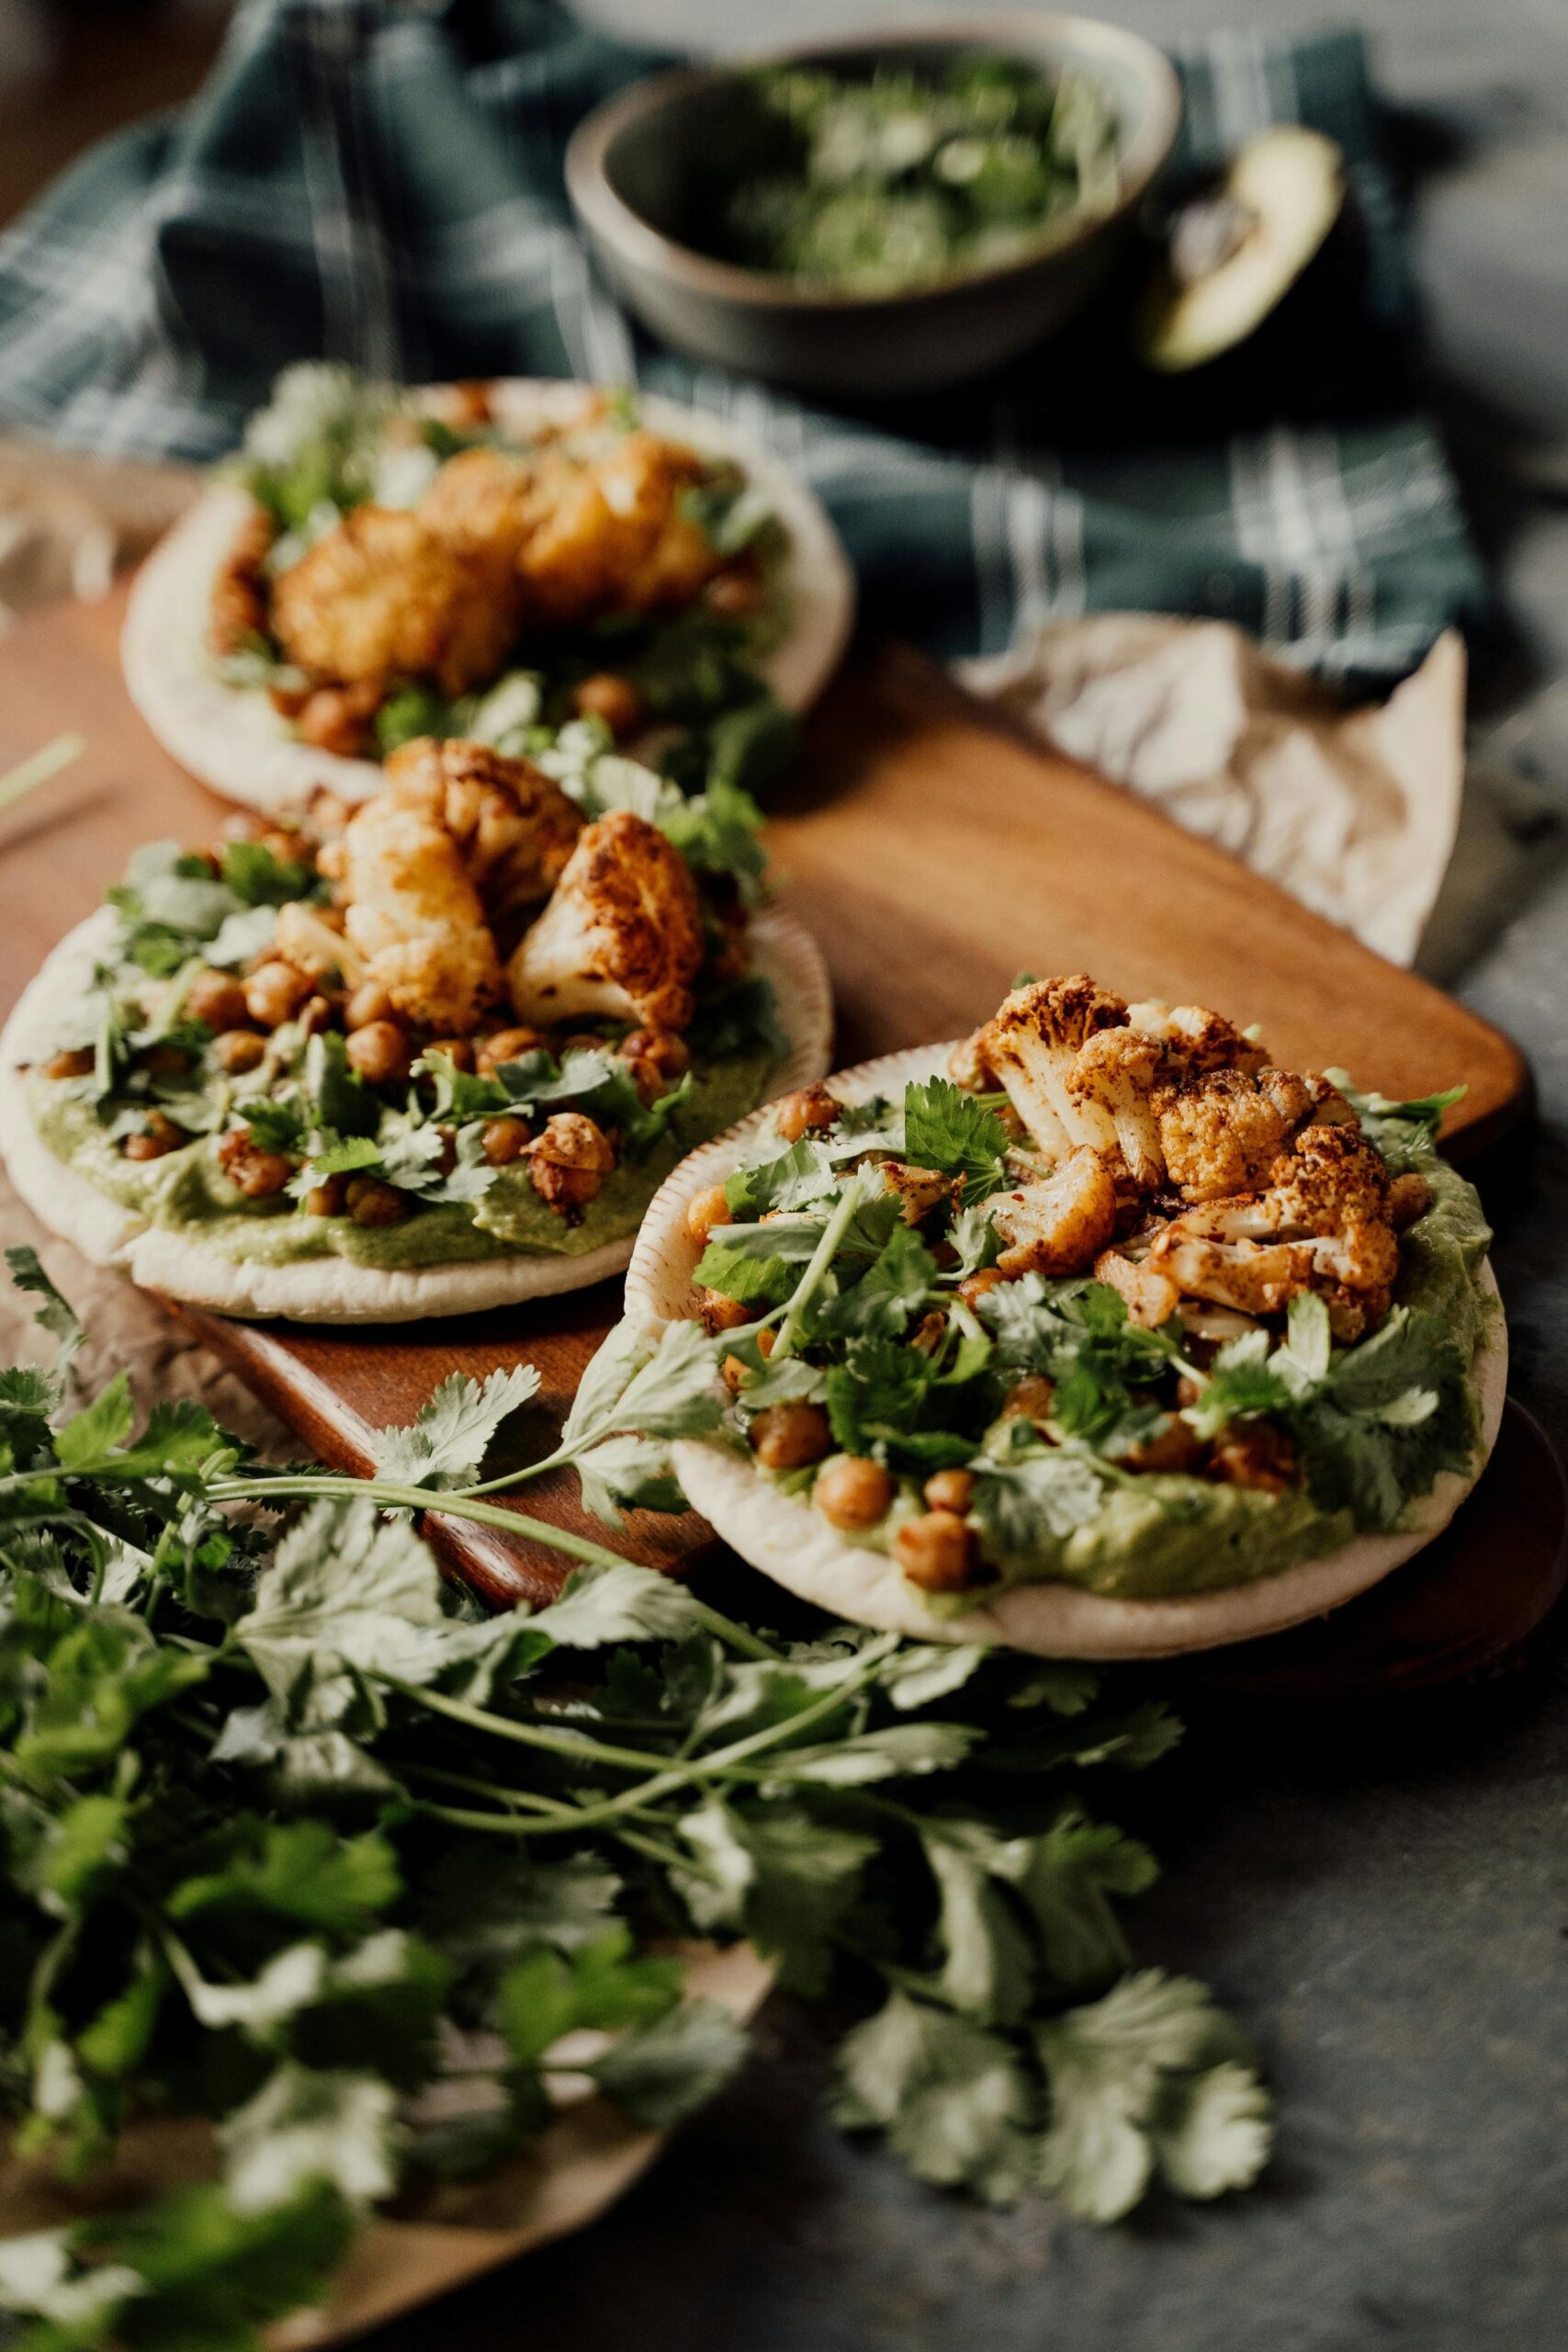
(186, 1190)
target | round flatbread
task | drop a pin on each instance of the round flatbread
(789, 1540)
(232, 739)
(328, 1290)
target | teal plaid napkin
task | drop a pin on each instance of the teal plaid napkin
(380, 181)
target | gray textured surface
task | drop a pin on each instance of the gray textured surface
(1397, 1938)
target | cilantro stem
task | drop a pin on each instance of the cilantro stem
(29, 773)
(460, 1505)
(817, 1269)
(720, 1764)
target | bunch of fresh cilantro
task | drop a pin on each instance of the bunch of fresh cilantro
(297, 1844)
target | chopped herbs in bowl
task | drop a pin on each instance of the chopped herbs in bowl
(882, 182)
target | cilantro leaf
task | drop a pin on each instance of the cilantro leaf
(951, 2096)
(945, 1128)
(304, 2128)
(56, 1316)
(893, 1288)
(1028, 1505)
(448, 1441)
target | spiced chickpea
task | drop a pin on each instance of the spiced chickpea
(275, 992)
(167, 1061)
(1173, 1446)
(257, 1173)
(812, 1106)
(157, 1139)
(370, 1201)
(607, 696)
(1255, 1453)
(337, 718)
(74, 1062)
(1409, 1196)
(670, 1055)
(459, 1051)
(706, 1210)
(950, 1490)
(721, 1314)
(937, 1552)
(505, 1139)
(218, 998)
(570, 1160)
(367, 1003)
(975, 1287)
(853, 1492)
(735, 594)
(505, 1046)
(380, 1053)
(929, 1332)
(238, 1050)
(1029, 1399)
(790, 1436)
(329, 1198)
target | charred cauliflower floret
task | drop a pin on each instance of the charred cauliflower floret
(621, 937)
(1220, 1133)
(919, 1190)
(612, 534)
(482, 501)
(513, 826)
(1030, 1044)
(1322, 1225)
(414, 915)
(1059, 1224)
(381, 597)
(1109, 1084)
(1204, 1040)
(1151, 1298)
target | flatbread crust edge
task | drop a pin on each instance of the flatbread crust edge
(237, 743)
(328, 1290)
(785, 1537)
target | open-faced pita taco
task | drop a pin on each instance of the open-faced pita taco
(480, 562)
(430, 1056)
(1118, 1341)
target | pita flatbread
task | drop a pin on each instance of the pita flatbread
(234, 740)
(787, 1539)
(328, 1290)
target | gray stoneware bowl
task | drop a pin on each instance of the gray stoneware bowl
(631, 171)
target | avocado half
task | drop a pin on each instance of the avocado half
(1236, 248)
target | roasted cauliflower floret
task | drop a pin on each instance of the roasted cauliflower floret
(381, 597)
(1322, 1225)
(612, 534)
(1059, 1224)
(919, 1190)
(1219, 1133)
(1109, 1084)
(482, 503)
(1205, 1040)
(1151, 1297)
(415, 917)
(1030, 1044)
(621, 937)
(514, 826)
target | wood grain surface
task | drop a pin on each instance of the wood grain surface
(935, 854)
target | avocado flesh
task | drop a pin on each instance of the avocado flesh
(1271, 215)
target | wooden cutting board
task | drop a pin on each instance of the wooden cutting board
(935, 854)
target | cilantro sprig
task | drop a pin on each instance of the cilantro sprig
(287, 1824)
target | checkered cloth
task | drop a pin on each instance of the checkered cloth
(380, 181)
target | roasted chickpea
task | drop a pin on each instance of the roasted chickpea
(275, 992)
(929, 1332)
(791, 1435)
(381, 1052)
(329, 1198)
(1255, 1453)
(1029, 1399)
(938, 1552)
(370, 1002)
(290, 696)
(1409, 1196)
(505, 1139)
(157, 1139)
(1173, 1446)
(735, 594)
(570, 1160)
(721, 1314)
(706, 1210)
(853, 1492)
(337, 718)
(372, 1203)
(581, 1041)
(259, 1174)
(813, 1106)
(975, 1287)
(74, 1062)
(218, 998)
(668, 1054)
(950, 1490)
(505, 1046)
(166, 1060)
(238, 1050)
(611, 697)
(459, 1051)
